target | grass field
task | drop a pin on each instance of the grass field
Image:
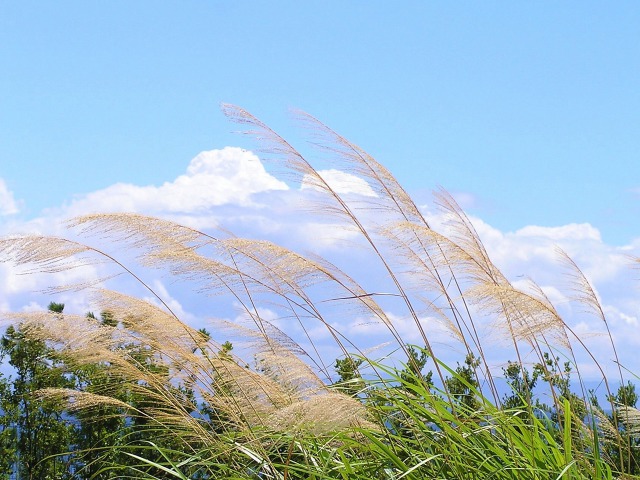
(282, 411)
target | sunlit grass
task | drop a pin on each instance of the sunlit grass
(273, 412)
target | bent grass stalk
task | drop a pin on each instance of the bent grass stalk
(274, 414)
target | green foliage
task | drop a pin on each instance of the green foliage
(43, 437)
(165, 401)
(625, 395)
(412, 372)
(521, 383)
(56, 307)
(558, 378)
(416, 433)
(8, 432)
(349, 379)
(462, 386)
(625, 453)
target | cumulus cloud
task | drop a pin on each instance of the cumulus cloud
(341, 182)
(573, 231)
(231, 188)
(8, 204)
(531, 250)
(213, 178)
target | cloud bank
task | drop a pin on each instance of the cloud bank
(213, 178)
(231, 188)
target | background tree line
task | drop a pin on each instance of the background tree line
(463, 390)
(41, 438)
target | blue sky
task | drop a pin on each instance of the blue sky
(531, 109)
(528, 113)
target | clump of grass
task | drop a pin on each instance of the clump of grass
(272, 412)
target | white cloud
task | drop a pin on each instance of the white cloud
(169, 301)
(327, 236)
(531, 251)
(24, 290)
(213, 178)
(555, 296)
(8, 205)
(617, 316)
(573, 231)
(34, 307)
(374, 331)
(230, 188)
(341, 182)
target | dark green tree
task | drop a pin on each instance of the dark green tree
(412, 374)
(625, 396)
(626, 451)
(463, 386)
(44, 434)
(558, 377)
(107, 435)
(521, 382)
(102, 429)
(8, 415)
(349, 379)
